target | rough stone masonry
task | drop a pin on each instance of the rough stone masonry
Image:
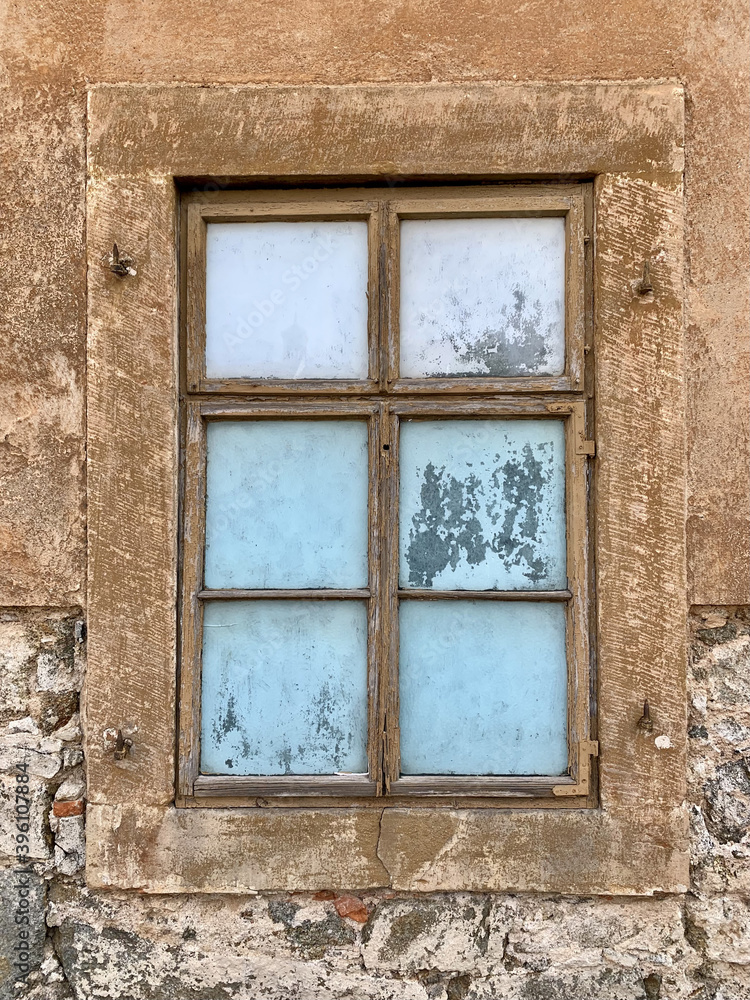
(125, 946)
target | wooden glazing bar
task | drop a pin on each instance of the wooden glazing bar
(215, 785)
(389, 718)
(374, 659)
(485, 595)
(577, 628)
(283, 209)
(466, 384)
(191, 609)
(489, 202)
(289, 387)
(284, 595)
(330, 409)
(498, 406)
(512, 786)
(375, 285)
(392, 292)
(195, 299)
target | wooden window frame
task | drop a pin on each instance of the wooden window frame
(147, 144)
(384, 399)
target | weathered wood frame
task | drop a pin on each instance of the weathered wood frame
(263, 206)
(190, 782)
(575, 597)
(382, 209)
(383, 597)
(628, 138)
(515, 201)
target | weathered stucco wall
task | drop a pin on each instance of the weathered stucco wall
(85, 944)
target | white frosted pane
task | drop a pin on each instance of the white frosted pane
(482, 504)
(286, 300)
(482, 297)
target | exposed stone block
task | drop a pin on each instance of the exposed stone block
(22, 927)
(70, 841)
(719, 757)
(40, 663)
(39, 801)
(445, 932)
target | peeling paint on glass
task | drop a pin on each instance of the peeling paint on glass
(483, 688)
(482, 297)
(286, 300)
(286, 504)
(482, 505)
(284, 687)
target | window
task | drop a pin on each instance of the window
(153, 150)
(385, 571)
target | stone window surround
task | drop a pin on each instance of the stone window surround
(628, 139)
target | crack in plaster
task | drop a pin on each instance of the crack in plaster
(378, 855)
(53, 936)
(458, 834)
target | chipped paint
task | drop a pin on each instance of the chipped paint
(482, 297)
(522, 346)
(284, 688)
(482, 505)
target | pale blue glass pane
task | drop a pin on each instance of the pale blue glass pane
(483, 688)
(482, 505)
(286, 504)
(482, 297)
(286, 300)
(284, 687)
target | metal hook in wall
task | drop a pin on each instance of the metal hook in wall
(121, 264)
(645, 286)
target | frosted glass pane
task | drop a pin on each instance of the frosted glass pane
(286, 504)
(286, 300)
(483, 688)
(482, 505)
(482, 297)
(284, 687)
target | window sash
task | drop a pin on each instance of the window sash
(383, 211)
(382, 595)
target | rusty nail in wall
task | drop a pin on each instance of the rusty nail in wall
(646, 723)
(122, 746)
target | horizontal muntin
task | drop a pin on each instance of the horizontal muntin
(235, 594)
(425, 594)
(213, 785)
